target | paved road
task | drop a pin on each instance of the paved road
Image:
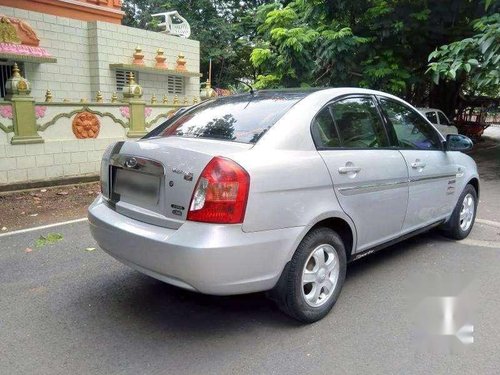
(67, 310)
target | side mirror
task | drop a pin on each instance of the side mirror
(458, 142)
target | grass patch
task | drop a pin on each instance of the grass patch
(49, 239)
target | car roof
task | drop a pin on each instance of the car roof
(293, 94)
(429, 109)
(300, 93)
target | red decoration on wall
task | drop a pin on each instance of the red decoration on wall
(86, 125)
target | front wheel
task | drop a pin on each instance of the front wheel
(312, 281)
(464, 215)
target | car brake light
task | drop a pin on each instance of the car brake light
(221, 193)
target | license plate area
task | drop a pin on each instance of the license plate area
(136, 181)
(136, 188)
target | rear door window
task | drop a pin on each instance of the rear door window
(323, 129)
(358, 123)
(243, 118)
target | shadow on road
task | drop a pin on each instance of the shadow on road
(135, 301)
(392, 253)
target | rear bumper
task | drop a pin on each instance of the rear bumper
(208, 258)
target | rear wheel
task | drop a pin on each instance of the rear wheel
(463, 216)
(312, 281)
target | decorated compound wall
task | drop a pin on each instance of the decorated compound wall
(67, 139)
(61, 110)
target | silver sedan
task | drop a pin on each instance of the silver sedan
(278, 190)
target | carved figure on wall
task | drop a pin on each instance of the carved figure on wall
(86, 125)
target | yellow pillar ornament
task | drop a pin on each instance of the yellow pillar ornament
(186, 101)
(48, 96)
(153, 99)
(98, 97)
(165, 99)
(207, 92)
(132, 90)
(195, 100)
(16, 85)
(176, 99)
(17, 91)
(114, 98)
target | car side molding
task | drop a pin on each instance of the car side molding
(396, 240)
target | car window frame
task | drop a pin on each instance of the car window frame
(435, 115)
(338, 99)
(393, 138)
(446, 117)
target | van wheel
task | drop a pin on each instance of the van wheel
(312, 281)
(463, 216)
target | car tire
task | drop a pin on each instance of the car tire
(462, 219)
(309, 301)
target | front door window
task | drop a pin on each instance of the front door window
(411, 130)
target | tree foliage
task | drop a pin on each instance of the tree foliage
(399, 46)
(474, 60)
(380, 44)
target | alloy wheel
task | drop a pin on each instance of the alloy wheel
(320, 275)
(467, 212)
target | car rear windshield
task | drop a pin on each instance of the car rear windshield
(242, 118)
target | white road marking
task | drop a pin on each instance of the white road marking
(491, 223)
(42, 227)
(480, 243)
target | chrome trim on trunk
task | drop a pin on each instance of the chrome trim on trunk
(138, 164)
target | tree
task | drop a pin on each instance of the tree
(380, 44)
(475, 61)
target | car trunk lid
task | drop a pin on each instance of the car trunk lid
(152, 180)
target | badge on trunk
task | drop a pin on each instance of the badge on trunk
(131, 162)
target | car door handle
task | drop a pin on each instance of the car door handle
(418, 164)
(344, 170)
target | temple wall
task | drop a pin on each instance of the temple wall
(67, 40)
(44, 146)
(84, 51)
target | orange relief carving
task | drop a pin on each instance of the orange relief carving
(15, 30)
(86, 125)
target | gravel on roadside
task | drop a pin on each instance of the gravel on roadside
(31, 208)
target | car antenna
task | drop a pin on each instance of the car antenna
(246, 84)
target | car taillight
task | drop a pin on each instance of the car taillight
(221, 193)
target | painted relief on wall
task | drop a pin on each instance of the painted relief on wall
(18, 37)
(6, 111)
(86, 125)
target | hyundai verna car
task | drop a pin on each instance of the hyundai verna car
(278, 190)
